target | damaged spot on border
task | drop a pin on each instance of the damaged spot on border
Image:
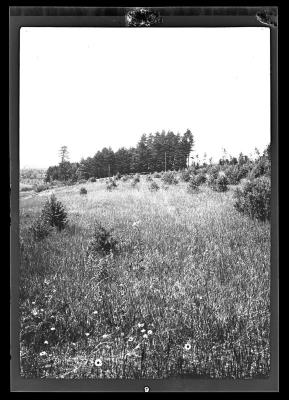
(143, 17)
(267, 17)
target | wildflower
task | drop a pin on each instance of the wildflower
(122, 334)
(136, 223)
(143, 331)
(140, 325)
(187, 346)
(45, 342)
(150, 332)
(43, 353)
(52, 329)
(105, 336)
(34, 312)
(33, 302)
(41, 310)
(145, 336)
(95, 312)
(130, 339)
(86, 334)
(98, 362)
(73, 344)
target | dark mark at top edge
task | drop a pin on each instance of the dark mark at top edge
(268, 17)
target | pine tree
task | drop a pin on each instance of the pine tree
(54, 213)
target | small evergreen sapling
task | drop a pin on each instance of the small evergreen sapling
(54, 213)
(83, 190)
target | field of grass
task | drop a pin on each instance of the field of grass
(187, 292)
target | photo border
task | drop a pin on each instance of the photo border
(116, 17)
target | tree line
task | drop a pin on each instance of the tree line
(154, 153)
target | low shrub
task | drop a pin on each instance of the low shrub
(118, 176)
(214, 171)
(149, 178)
(135, 181)
(40, 229)
(169, 178)
(211, 181)
(201, 178)
(83, 190)
(157, 175)
(193, 186)
(54, 213)
(221, 184)
(262, 167)
(40, 188)
(92, 179)
(70, 182)
(136, 178)
(254, 198)
(57, 183)
(26, 188)
(82, 181)
(125, 178)
(102, 242)
(111, 184)
(154, 187)
(185, 175)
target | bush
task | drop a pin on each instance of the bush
(193, 186)
(169, 178)
(70, 182)
(111, 184)
(136, 178)
(125, 178)
(40, 188)
(118, 176)
(92, 179)
(254, 198)
(40, 229)
(262, 167)
(154, 187)
(201, 178)
(157, 175)
(185, 175)
(57, 183)
(221, 184)
(212, 181)
(25, 188)
(214, 172)
(102, 242)
(54, 213)
(83, 190)
(234, 174)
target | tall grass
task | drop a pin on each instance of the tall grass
(187, 292)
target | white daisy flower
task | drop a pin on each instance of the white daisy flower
(187, 346)
(98, 362)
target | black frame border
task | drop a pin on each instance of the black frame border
(116, 17)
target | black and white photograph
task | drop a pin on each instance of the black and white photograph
(144, 203)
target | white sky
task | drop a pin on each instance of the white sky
(89, 88)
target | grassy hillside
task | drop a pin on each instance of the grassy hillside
(187, 292)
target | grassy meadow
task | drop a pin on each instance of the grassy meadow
(187, 292)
